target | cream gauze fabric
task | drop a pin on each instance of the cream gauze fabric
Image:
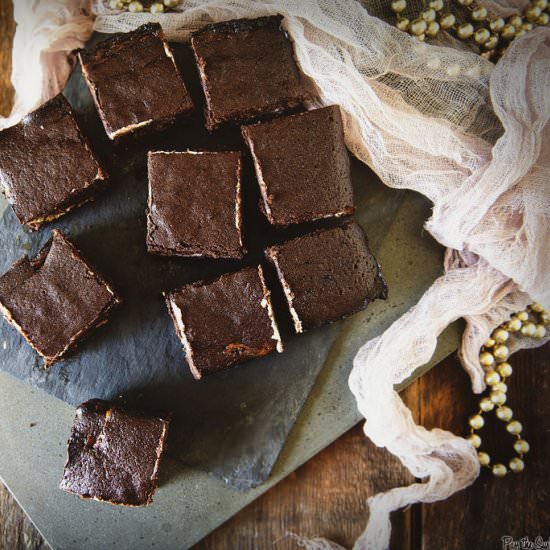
(471, 136)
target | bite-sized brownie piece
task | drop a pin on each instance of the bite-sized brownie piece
(55, 299)
(134, 81)
(114, 455)
(46, 164)
(327, 275)
(302, 166)
(224, 322)
(247, 70)
(195, 204)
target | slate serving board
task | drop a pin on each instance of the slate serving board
(235, 423)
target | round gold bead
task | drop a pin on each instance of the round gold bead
(521, 32)
(492, 377)
(476, 421)
(420, 37)
(497, 24)
(486, 404)
(116, 5)
(437, 5)
(397, 6)
(521, 446)
(501, 352)
(484, 458)
(489, 343)
(447, 21)
(532, 13)
(403, 23)
(543, 19)
(516, 465)
(171, 3)
(528, 329)
(514, 324)
(498, 397)
(157, 7)
(516, 21)
(501, 386)
(536, 307)
(514, 427)
(527, 27)
(504, 369)
(479, 13)
(542, 4)
(481, 35)
(488, 54)
(491, 44)
(499, 470)
(545, 317)
(475, 440)
(135, 7)
(522, 315)
(486, 359)
(428, 15)
(418, 27)
(466, 2)
(505, 414)
(540, 331)
(501, 335)
(433, 28)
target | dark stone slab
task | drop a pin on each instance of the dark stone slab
(233, 424)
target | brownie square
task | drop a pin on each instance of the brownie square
(114, 455)
(134, 81)
(46, 164)
(327, 275)
(302, 166)
(55, 299)
(195, 204)
(224, 322)
(247, 70)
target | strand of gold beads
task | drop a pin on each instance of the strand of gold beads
(138, 7)
(491, 35)
(493, 357)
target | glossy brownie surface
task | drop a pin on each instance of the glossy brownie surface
(114, 455)
(302, 166)
(55, 299)
(247, 70)
(224, 322)
(134, 81)
(327, 275)
(46, 164)
(195, 204)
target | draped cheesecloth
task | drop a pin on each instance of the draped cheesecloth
(471, 136)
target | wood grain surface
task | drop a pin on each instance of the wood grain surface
(328, 495)
(7, 29)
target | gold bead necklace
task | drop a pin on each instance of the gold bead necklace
(492, 35)
(493, 357)
(138, 7)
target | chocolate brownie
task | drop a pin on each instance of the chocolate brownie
(247, 70)
(327, 275)
(114, 455)
(302, 166)
(46, 164)
(55, 299)
(195, 204)
(224, 322)
(134, 81)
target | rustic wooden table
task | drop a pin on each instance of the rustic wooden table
(328, 495)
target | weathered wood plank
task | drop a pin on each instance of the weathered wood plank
(7, 29)
(518, 505)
